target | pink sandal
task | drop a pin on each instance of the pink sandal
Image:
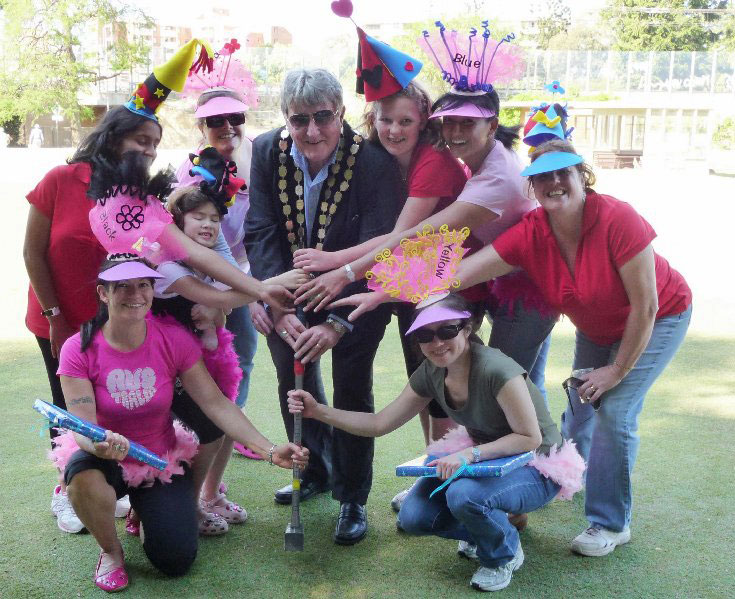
(132, 523)
(113, 581)
(229, 510)
(246, 452)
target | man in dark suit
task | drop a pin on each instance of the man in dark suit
(316, 183)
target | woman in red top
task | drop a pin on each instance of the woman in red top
(591, 256)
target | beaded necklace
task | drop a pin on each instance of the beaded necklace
(340, 175)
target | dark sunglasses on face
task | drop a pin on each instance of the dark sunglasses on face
(546, 177)
(217, 121)
(444, 332)
(321, 118)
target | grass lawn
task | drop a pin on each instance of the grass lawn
(683, 528)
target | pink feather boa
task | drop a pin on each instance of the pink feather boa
(564, 466)
(136, 474)
(223, 364)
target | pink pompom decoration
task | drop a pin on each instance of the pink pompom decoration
(228, 72)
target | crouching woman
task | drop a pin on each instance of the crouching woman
(120, 373)
(504, 413)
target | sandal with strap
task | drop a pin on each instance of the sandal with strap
(113, 581)
(246, 452)
(229, 510)
(211, 525)
(132, 523)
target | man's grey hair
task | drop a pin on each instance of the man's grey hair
(310, 87)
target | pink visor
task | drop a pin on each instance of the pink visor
(221, 105)
(129, 270)
(466, 109)
(434, 314)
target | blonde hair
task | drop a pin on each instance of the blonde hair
(431, 133)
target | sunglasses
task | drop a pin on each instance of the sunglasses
(546, 177)
(321, 118)
(217, 121)
(444, 332)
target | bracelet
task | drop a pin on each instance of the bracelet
(270, 454)
(350, 275)
(622, 368)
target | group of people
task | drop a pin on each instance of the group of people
(130, 347)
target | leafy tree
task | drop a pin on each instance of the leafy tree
(579, 37)
(43, 63)
(663, 25)
(556, 20)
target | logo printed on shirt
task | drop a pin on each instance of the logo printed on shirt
(132, 389)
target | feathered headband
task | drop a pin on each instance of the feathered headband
(227, 73)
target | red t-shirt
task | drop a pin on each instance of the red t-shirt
(594, 299)
(435, 173)
(74, 255)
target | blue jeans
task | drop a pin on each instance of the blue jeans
(607, 436)
(245, 343)
(475, 510)
(525, 336)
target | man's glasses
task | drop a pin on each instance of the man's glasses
(546, 177)
(321, 118)
(217, 121)
(444, 332)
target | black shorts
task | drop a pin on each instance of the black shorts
(186, 410)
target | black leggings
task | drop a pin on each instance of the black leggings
(52, 366)
(167, 512)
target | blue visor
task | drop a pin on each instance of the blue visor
(551, 161)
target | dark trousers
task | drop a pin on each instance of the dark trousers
(338, 457)
(52, 366)
(167, 512)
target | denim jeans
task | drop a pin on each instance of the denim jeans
(475, 510)
(525, 336)
(245, 343)
(607, 437)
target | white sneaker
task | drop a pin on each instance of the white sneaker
(122, 507)
(62, 510)
(466, 549)
(494, 579)
(397, 501)
(596, 542)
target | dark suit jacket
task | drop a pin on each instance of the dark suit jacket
(368, 209)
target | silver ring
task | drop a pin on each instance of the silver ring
(284, 333)
(118, 447)
(318, 345)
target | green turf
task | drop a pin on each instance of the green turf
(683, 529)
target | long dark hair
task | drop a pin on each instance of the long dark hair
(508, 136)
(100, 147)
(90, 328)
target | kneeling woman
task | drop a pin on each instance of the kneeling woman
(504, 413)
(120, 373)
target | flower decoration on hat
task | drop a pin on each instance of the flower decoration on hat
(171, 76)
(472, 64)
(381, 69)
(555, 87)
(421, 268)
(227, 73)
(218, 177)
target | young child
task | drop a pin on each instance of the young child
(200, 303)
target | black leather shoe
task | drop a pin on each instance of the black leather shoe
(351, 524)
(308, 490)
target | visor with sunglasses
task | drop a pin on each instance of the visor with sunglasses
(444, 332)
(321, 118)
(218, 120)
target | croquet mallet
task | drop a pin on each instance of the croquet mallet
(294, 537)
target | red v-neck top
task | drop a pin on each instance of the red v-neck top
(594, 298)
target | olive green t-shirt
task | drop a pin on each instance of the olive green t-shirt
(482, 416)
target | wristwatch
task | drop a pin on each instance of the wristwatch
(476, 457)
(337, 326)
(55, 311)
